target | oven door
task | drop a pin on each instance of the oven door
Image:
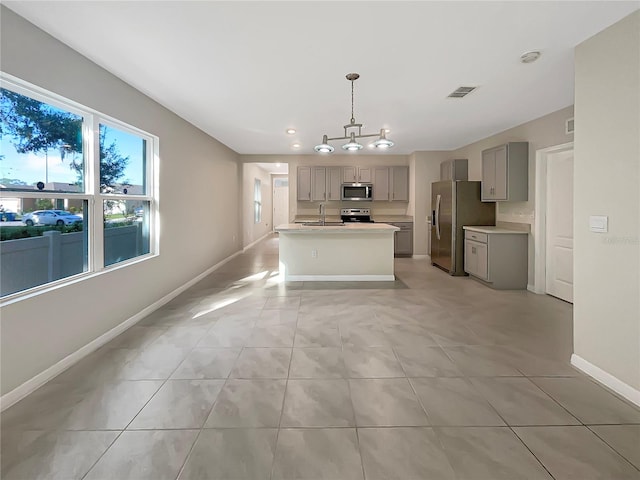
(357, 192)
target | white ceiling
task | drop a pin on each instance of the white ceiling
(245, 71)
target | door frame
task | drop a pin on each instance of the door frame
(273, 199)
(540, 222)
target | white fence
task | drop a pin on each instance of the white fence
(29, 262)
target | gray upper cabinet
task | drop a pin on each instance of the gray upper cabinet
(381, 183)
(505, 173)
(334, 180)
(399, 184)
(304, 183)
(318, 184)
(456, 169)
(391, 183)
(356, 174)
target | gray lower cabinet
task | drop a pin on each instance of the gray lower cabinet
(497, 259)
(403, 239)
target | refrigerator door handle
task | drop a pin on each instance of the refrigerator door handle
(438, 198)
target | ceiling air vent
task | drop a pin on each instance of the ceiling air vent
(461, 92)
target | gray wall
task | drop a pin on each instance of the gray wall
(200, 213)
(607, 179)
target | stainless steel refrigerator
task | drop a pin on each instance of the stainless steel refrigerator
(453, 205)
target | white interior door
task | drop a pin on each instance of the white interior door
(559, 216)
(280, 201)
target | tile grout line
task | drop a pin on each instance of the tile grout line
(353, 408)
(284, 397)
(187, 457)
(142, 408)
(611, 446)
(146, 403)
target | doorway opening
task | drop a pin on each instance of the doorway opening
(553, 229)
(280, 200)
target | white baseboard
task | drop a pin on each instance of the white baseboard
(531, 288)
(340, 278)
(257, 241)
(606, 379)
(56, 369)
(420, 257)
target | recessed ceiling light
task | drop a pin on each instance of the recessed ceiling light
(291, 131)
(295, 145)
(530, 57)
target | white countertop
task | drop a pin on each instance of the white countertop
(346, 228)
(492, 230)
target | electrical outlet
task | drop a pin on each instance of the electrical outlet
(314, 253)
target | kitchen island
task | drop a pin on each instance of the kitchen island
(349, 252)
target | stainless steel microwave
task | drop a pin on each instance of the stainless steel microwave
(357, 192)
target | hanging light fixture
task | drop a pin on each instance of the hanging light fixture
(352, 145)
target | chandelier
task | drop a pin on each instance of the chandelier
(350, 134)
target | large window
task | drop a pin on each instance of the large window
(76, 190)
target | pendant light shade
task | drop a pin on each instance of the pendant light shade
(324, 147)
(352, 146)
(382, 142)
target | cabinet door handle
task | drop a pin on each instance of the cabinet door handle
(309, 195)
(473, 250)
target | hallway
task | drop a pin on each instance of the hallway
(245, 377)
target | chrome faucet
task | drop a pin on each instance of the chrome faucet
(323, 212)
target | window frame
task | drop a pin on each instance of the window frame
(91, 185)
(257, 201)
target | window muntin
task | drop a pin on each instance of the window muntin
(85, 197)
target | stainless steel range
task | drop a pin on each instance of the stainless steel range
(350, 215)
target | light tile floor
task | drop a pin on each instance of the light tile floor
(244, 377)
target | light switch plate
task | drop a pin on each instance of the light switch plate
(599, 223)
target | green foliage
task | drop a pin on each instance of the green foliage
(16, 233)
(37, 127)
(112, 164)
(11, 181)
(123, 223)
(44, 204)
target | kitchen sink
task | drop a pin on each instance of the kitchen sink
(321, 224)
